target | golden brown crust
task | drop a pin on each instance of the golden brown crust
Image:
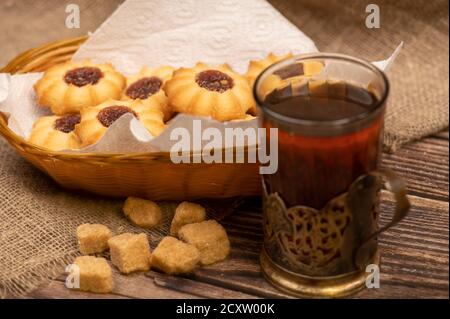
(90, 129)
(163, 73)
(54, 91)
(46, 135)
(296, 72)
(255, 67)
(189, 94)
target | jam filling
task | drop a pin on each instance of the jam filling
(110, 114)
(144, 87)
(67, 123)
(83, 76)
(214, 80)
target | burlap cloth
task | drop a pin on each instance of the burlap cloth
(418, 103)
(38, 219)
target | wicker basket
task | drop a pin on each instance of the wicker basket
(150, 175)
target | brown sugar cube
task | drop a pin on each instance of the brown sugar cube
(210, 238)
(143, 213)
(93, 238)
(130, 252)
(95, 274)
(173, 257)
(186, 213)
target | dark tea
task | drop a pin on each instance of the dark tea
(321, 206)
(316, 167)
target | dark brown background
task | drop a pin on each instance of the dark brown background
(26, 23)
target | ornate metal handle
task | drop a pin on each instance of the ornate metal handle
(397, 186)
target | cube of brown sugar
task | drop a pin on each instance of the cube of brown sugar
(141, 212)
(172, 256)
(209, 237)
(130, 252)
(93, 238)
(95, 274)
(186, 213)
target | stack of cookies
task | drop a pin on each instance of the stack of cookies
(86, 98)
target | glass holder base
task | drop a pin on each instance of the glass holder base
(309, 287)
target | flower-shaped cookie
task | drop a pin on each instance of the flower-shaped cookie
(147, 84)
(56, 132)
(215, 91)
(67, 88)
(96, 120)
(255, 67)
(284, 76)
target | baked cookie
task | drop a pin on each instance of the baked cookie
(67, 88)
(56, 132)
(255, 67)
(215, 91)
(96, 120)
(147, 84)
(283, 77)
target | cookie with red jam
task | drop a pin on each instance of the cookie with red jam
(69, 87)
(255, 67)
(56, 133)
(96, 120)
(213, 91)
(285, 76)
(147, 86)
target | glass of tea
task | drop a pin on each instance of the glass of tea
(321, 206)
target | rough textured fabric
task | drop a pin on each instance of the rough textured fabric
(419, 78)
(27, 24)
(38, 219)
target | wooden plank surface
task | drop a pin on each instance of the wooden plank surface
(414, 253)
(424, 166)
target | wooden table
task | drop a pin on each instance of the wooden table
(414, 253)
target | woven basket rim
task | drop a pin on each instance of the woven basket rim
(13, 138)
